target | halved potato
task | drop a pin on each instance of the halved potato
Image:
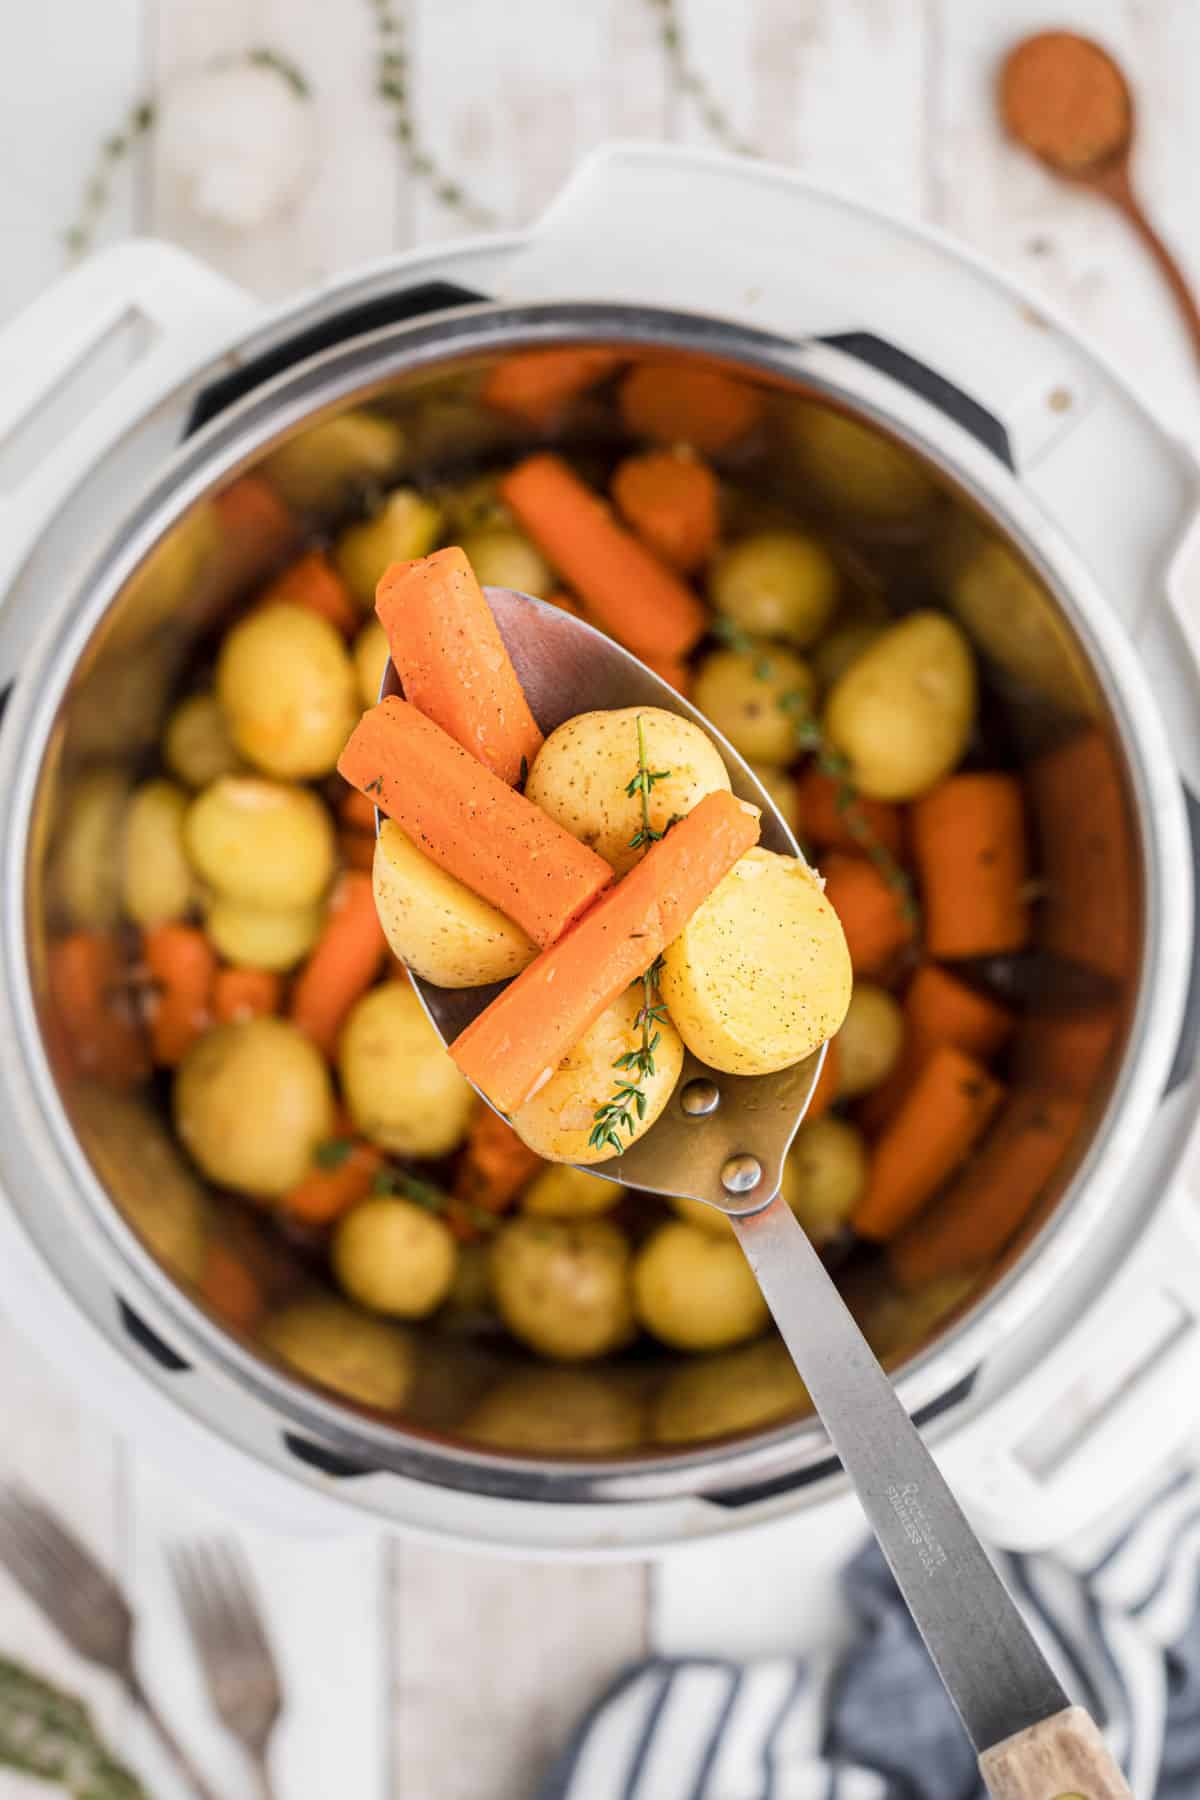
(581, 773)
(444, 932)
(760, 975)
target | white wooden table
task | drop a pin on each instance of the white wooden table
(418, 1674)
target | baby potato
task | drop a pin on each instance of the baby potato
(694, 1291)
(436, 925)
(548, 1410)
(317, 469)
(398, 1081)
(197, 747)
(158, 882)
(365, 1359)
(756, 698)
(834, 654)
(267, 843)
(258, 937)
(856, 468)
(870, 1040)
(86, 865)
(776, 584)
(703, 1217)
(371, 655)
(394, 1257)
(1005, 611)
(760, 975)
(903, 711)
(562, 1286)
(563, 1192)
(503, 557)
(580, 774)
(251, 1102)
(825, 1172)
(782, 788)
(288, 690)
(557, 1122)
(406, 526)
(735, 1390)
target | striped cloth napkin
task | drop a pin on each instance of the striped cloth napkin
(1115, 1612)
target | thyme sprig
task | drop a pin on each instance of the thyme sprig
(692, 84)
(400, 1184)
(48, 1733)
(627, 1106)
(643, 784)
(393, 89)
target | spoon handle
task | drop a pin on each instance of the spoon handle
(1117, 187)
(982, 1649)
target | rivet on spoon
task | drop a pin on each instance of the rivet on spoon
(741, 1173)
(700, 1098)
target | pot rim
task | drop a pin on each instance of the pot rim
(355, 371)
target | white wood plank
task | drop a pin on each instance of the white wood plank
(493, 1663)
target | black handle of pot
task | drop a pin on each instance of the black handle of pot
(337, 328)
(920, 379)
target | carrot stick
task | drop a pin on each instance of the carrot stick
(357, 850)
(452, 662)
(675, 404)
(635, 596)
(313, 582)
(938, 1009)
(348, 956)
(949, 1106)
(872, 912)
(245, 994)
(1068, 1053)
(826, 1090)
(326, 1193)
(536, 385)
(495, 1163)
(357, 811)
(673, 670)
(470, 822)
(968, 838)
(518, 1041)
(231, 1288)
(1086, 839)
(184, 966)
(84, 974)
(565, 603)
(974, 1219)
(825, 823)
(670, 500)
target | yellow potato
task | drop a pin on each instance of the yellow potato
(903, 711)
(870, 1040)
(1008, 615)
(735, 1390)
(406, 526)
(703, 1217)
(550, 1410)
(144, 1170)
(834, 654)
(394, 1257)
(257, 937)
(825, 1172)
(776, 584)
(267, 843)
(856, 469)
(366, 1359)
(370, 660)
(197, 746)
(783, 789)
(288, 689)
(563, 1192)
(558, 1121)
(158, 881)
(86, 865)
(580, 774)
(756, 699)
(694, 1291)
(251, 1104)
(562, 1286)
(402, 1089)
(444, 932)
(317, 469)
(760, 976)
(503, 557)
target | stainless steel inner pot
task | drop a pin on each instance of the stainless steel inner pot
(477, 1413)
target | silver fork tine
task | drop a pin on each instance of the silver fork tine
(240, 1597)
(57, 1545)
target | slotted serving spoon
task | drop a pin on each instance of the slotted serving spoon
(722, 1140)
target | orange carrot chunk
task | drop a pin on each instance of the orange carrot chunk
(231, 1288)
(357, 850)
(536, 385)
(452, 662)
(333, 1187)
(313, 582)
(348, 956)
(471, 822)
(676, 404)
(968, 839)
(519, 1040)
(947, 1109)
(632, 593)
(872, 911)
(245, 994)
(670, 500)
(357, 811)
(184, 966)
(830, 825)
(938, 1009)
(495, 1164)
(564, 603)
(85, 977)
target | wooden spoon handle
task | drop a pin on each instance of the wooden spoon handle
(1063, 1758)
(1118, 188)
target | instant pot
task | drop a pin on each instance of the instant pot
(1074, 1366)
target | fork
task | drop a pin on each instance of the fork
(217, 1594)
(83, 1603)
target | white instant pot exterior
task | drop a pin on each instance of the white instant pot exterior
(1060, 1417)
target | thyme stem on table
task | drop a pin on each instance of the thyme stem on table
(691, 83)
(48, 1733)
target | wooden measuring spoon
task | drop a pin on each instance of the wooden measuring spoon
(1063, 97)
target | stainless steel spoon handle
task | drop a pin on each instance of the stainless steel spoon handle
(982, 1648)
